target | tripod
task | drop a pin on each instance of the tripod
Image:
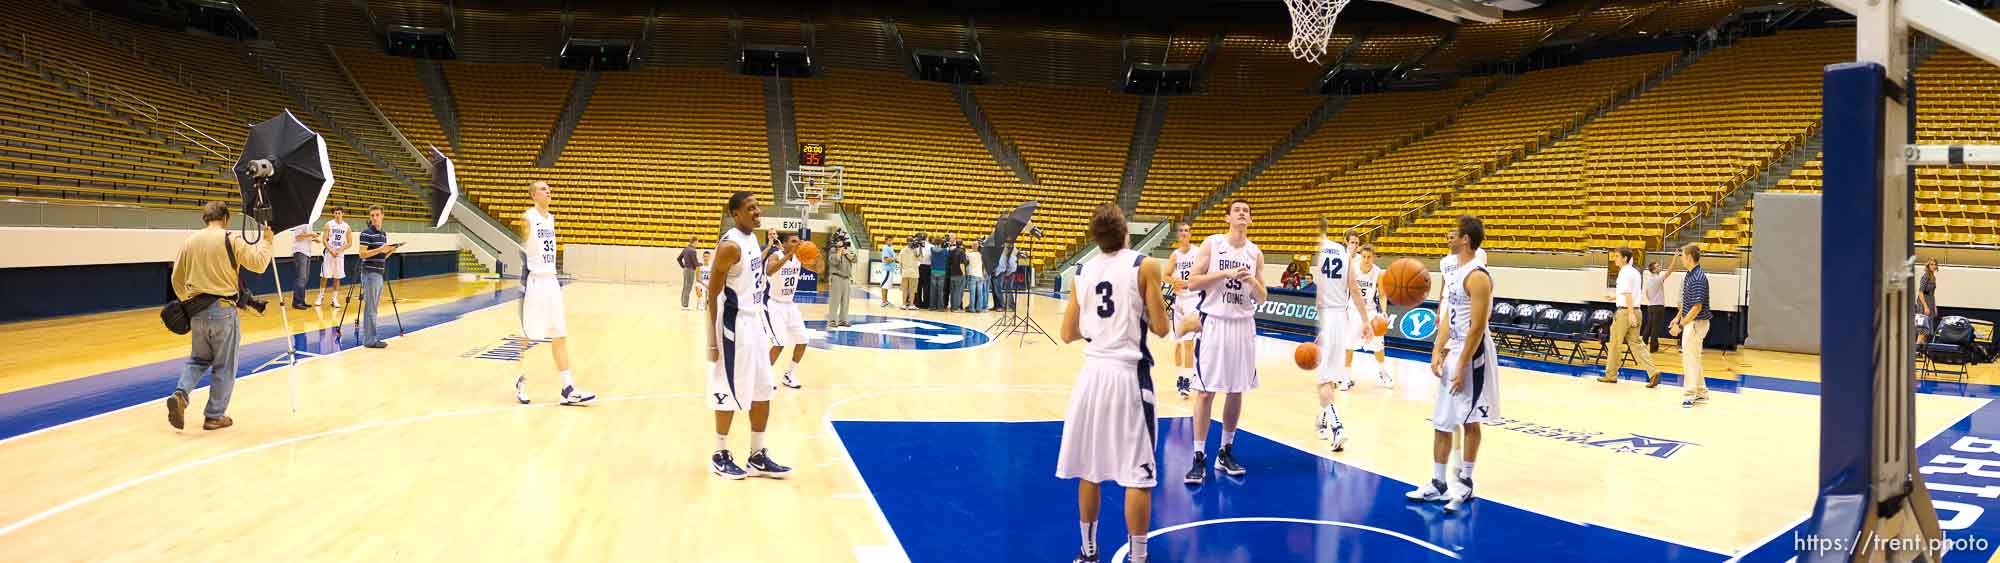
(1020, 320)
(349, 298)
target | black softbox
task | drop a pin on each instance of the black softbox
(284, 173)
(443, 191)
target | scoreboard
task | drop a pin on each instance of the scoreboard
(812, 154)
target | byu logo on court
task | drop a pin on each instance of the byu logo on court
(1419, 324)
(885, 333)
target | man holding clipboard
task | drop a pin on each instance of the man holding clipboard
(375, 251)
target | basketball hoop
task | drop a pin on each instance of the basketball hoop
(812, 204)
(1312, 24)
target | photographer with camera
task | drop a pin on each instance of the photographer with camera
(375, 249)
(205, 276)
(839, 270)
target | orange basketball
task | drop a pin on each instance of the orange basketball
(1306, 355)
(1407, 282)
(808, 253)
(1381, 325)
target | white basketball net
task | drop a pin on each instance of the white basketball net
(1312, 24)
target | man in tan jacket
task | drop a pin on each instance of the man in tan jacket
(204, 268)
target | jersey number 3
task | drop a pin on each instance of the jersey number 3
(1331, 268)
(1105, 308)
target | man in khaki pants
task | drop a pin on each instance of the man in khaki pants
(1692, 325)
(1625, 333)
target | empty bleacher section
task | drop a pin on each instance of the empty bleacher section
(1611, 16)
(639, 172)
(934, 32)
(691, 39)
(1207, 140)
(1392, 44)
(392, 83)
(1527, 207)
(413, 13)
(1377, 190)
(1509, 38)
(1365, 128)
(857, 42)
(608, 22)
(1075, 139)
(1671, 154)
(147, 95)
(1024, 52)
(915, 165)
(498, 32)
(1682, 16)
(772, 31)
(1958, 102)
(1187, 44)
(1256, 61)
(505, 113)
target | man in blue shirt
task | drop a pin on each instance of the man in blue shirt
(375, 251)
(1692, 324)
(940, 279)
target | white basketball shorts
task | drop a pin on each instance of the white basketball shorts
(1110, 431)
(542, 307)
(742, 374)
(1332, 341)
(1225, 355)
(787, 326)
(1478, 401)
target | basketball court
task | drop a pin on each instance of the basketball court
(914, 430)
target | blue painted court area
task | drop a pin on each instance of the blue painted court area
(32, 409)
(899, 333)
(987, 492)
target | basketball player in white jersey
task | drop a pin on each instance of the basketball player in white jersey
(701, 290)
(1109, 433)
(738, 342)
(339, 240)
(1182, 305)
(1362, 320)
(781, 312)
(542, 316)
(1229, 283)
(1466, 363)
(1336, 295)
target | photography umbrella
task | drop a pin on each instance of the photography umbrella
(443, 191)
(284, 173)
(1010, 226)
(1005, 230)
(285, 177)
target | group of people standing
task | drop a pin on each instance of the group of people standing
(208, 279)
(946, 275)
(1632, 327)
(1110, 430)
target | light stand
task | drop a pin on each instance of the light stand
(1020, 320)
(292, 356)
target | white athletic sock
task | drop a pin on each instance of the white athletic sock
(1437, 472)
(756, 442)
(1332, 418)
(1200, 446)
(566, 380)
(721, 442)
(1228, 437)
(1138, 544)
(1089, 530)
(1465, 470)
